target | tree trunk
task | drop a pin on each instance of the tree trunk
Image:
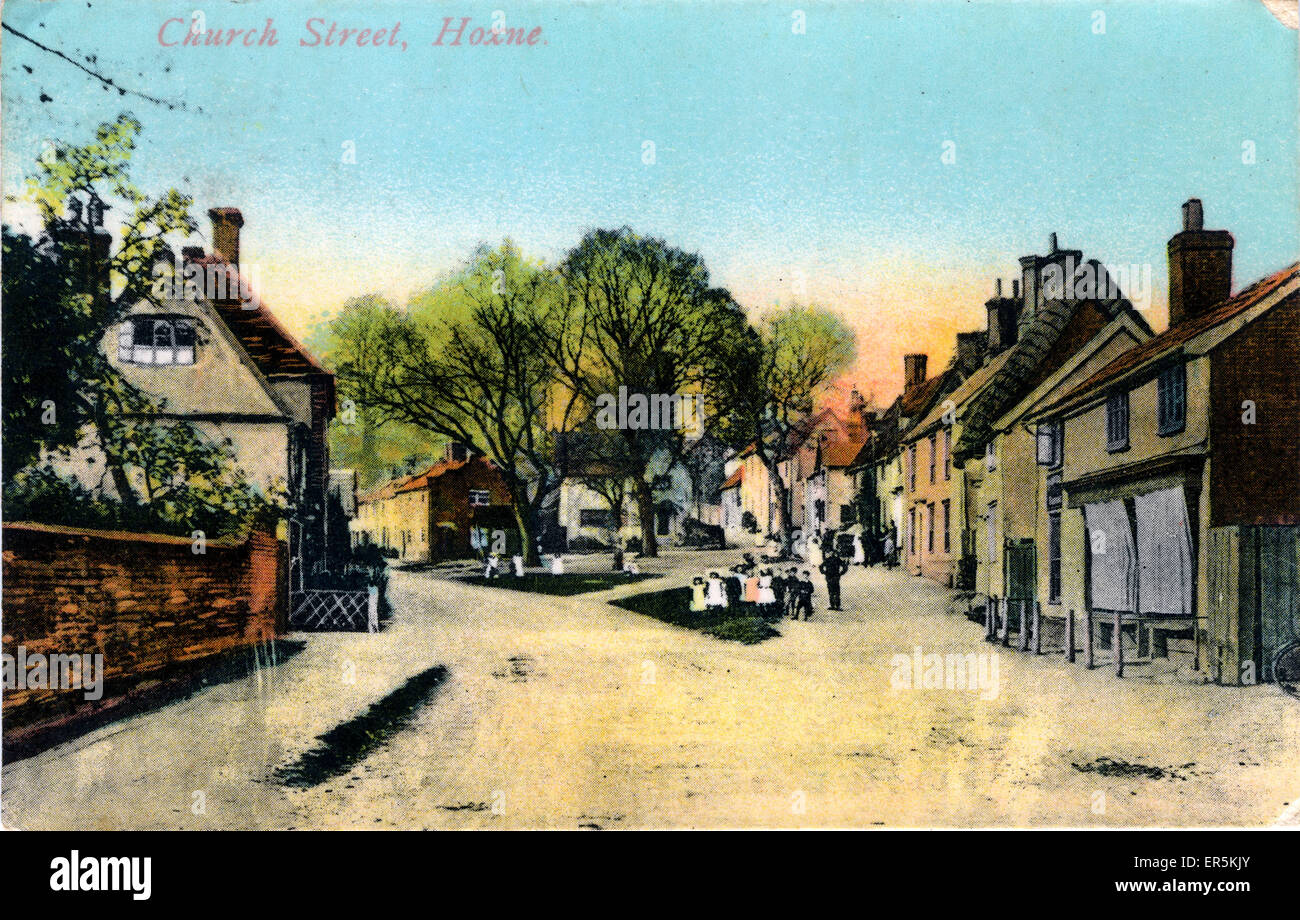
(645, 506)
(524, 521)
(784, 522)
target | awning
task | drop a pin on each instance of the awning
(1113, 556)
(1164, 552)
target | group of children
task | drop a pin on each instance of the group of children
(765, 594)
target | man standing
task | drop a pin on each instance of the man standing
(833, 568)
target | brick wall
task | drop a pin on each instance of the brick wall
(153, 607)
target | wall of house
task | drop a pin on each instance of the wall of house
(1257, 467)
(937, 563)
(1085, 433)
(148, 603)
(450, 513)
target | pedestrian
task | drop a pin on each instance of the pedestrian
(493, 567)
(766, 594)
(805, 603)
(557, 564)
(859, 551)
(517, 562)
(833, 568)
(779, 587)
(889, 550)
(698, 600)
(717, 593)
(751, 586)
(735, 587)
(792, 593)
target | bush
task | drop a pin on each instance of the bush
(749, 522)
(697, 533)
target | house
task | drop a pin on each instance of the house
(215, 356)
(1014, 482)
(1028, 337)
(733, 512)
(441, 512)
(1180, 470)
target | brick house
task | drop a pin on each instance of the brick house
(429, 516)
(1181, 469)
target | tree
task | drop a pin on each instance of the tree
(61, 293)
(642, 320)
(360, 437)
(770, 381)
(469, 360)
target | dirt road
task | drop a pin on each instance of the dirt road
(567, 712)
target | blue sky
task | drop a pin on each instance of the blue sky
(792, 162)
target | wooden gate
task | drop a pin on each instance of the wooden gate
(1254, 599)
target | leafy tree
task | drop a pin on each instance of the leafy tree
(61, 294)
(641, 314)
(469, 361)
(771, 380)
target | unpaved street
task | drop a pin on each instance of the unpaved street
(568, 713)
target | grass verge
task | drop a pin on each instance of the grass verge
(674, 606)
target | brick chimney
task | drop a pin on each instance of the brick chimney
(225, 232)
(1200, 265)
(913, 371)
(1002, 312)
(84, 247)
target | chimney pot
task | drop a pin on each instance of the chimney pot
(1193, 214)
(1052, 241)
(1015, 287)
(997, 287)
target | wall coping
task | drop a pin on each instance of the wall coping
(119, 535)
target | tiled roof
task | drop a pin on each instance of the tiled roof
(272, 348)
(415, 481)
(838, 454)
(1178, 335)
(734, 479)
(964, 391)
(1025, 366)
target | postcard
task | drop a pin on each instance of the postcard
(658, 415)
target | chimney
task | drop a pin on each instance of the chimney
(971, 347)
(225, 233)
(913, 371)
(855, 425)
(84, 246)
(1200, 265)
(1001, 332)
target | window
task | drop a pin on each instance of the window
(911, 468)
(594, 517)
(1054, 557)
(1171, 398)
(1051, 436)
(1117, 421)
(947, 453)
(479, 497)
(993, 532)
(930, 530)
(990, 457)
(947, 537)
(932, 444)
(911, 531)
(159, 340)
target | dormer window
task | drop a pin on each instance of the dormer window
(157, 340)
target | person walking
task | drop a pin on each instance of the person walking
(889, 550)
(779, 589)
(833, 568)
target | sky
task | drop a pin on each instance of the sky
(889, 160)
